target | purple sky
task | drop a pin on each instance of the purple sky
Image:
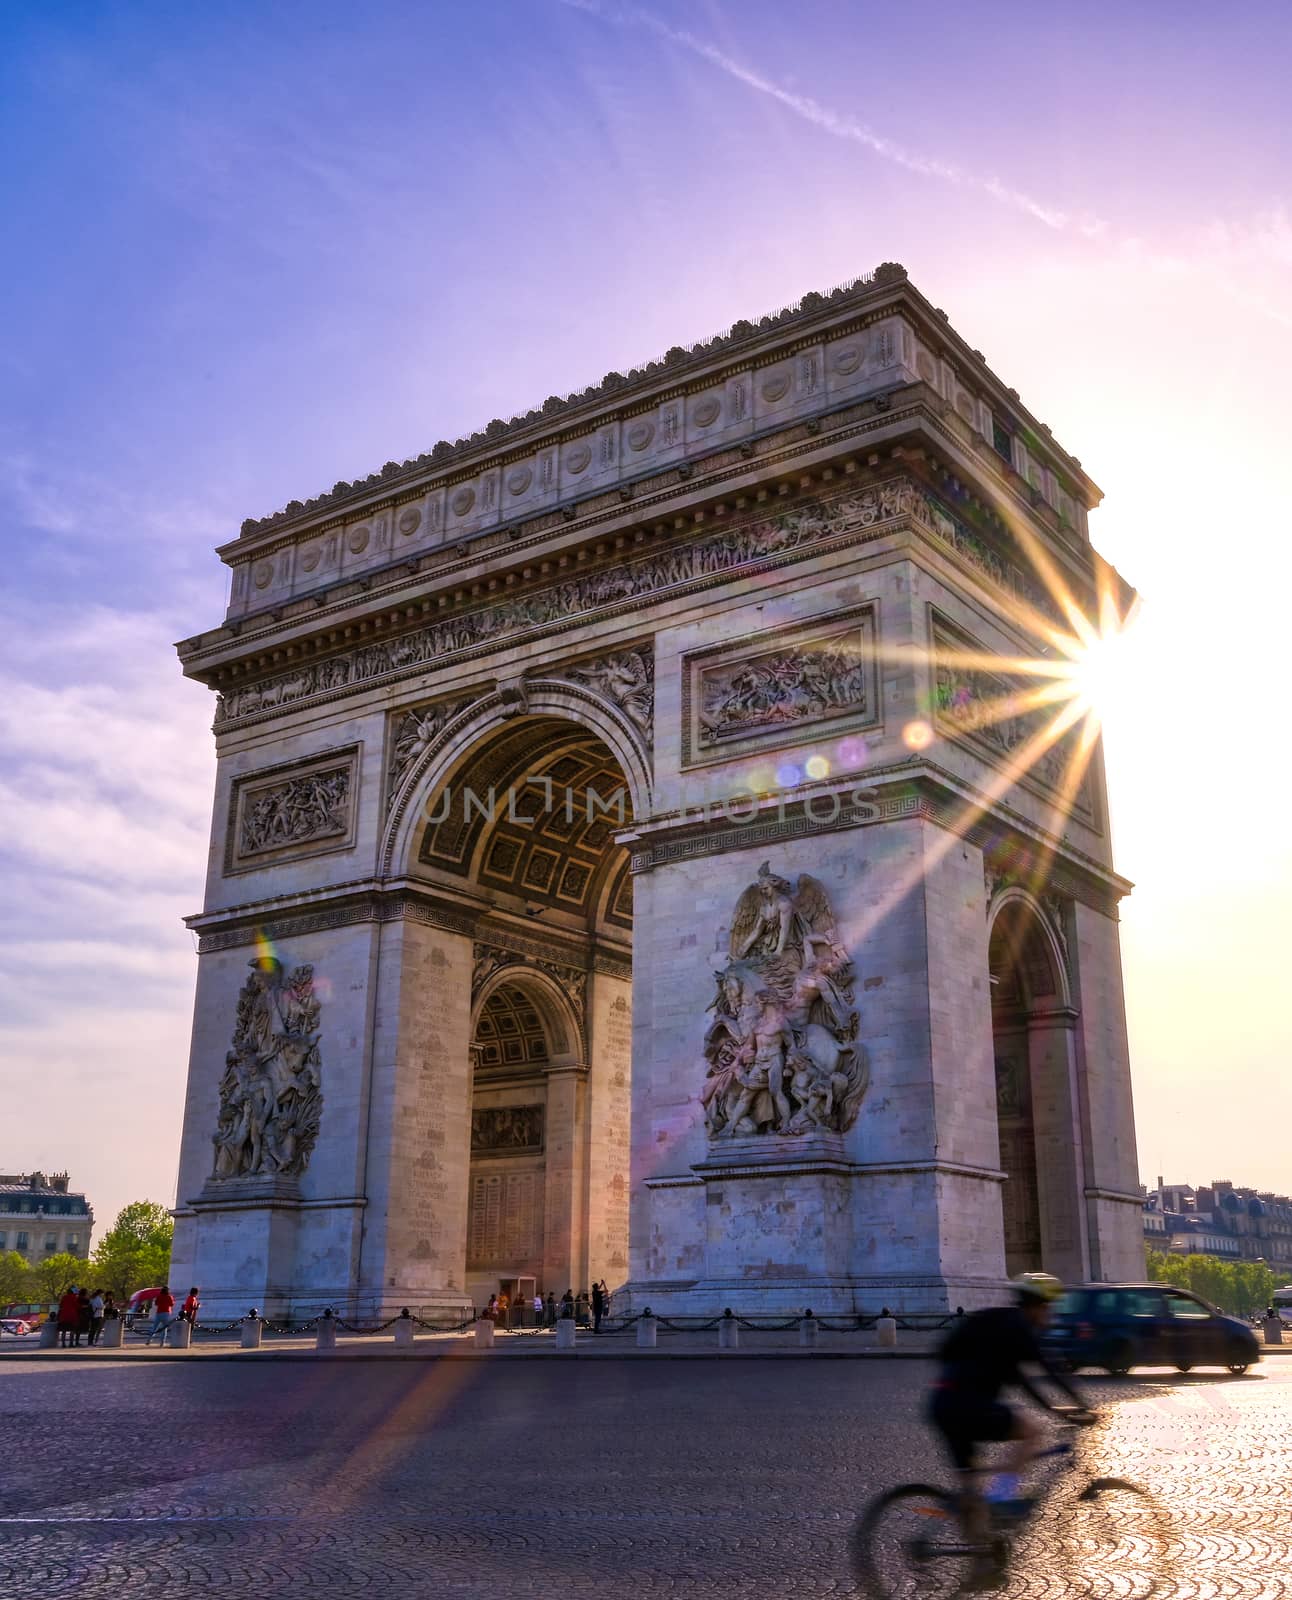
(252, 250)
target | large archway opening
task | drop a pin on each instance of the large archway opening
(522, 832)
(1035, 1112)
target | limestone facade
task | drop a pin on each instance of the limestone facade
(507, 738)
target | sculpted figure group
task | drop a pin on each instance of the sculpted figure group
(782, 1051)
(270, 1098)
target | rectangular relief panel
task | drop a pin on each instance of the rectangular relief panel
(507, 1130)
(301, 808)
(784, 687)
(992, 714)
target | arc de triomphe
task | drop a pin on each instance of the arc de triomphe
(640, 853)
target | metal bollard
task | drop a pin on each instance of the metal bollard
(1273, 1329)
(404, 1330)
(252, 1327)
(728, 1331)
(49, 1334)
(325, 1331)
(113, 1334)
(179, 1336)
(808, 1330)
(484, 1333)
(647, 1329)
(886, 1330)
(567, 1333)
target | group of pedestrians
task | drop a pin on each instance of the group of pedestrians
(81, 1314)
(587, 1310)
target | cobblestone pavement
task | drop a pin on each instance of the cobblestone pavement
(533, 1478)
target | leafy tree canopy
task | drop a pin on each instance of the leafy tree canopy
(15, 1275)
(48, 1279)
(1242, 1288)
(135, 1251)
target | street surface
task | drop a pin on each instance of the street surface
(613, 1478)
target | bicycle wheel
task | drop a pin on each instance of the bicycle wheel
(1113, 1539)
(909, 1542)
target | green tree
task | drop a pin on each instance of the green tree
(135, 1251)
(1240, 1288)
(15, 1277)
(47, 1279)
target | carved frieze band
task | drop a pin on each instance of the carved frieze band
(298, 808)
(799, 682)
(744, 548)
(989, 711)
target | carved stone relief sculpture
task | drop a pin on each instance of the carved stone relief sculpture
(994, 709)
(315, 806)
(782, 1051)
(784, 686)
(271, 1100)
(626, 679)
(417, 731)
(507, 1130)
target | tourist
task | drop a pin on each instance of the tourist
(598, 1306)
(69, 1316)
(504, 1310)
(111, 1310)
(538, 1309)
(490, 1312)
(96, 1315)
(163, 1314)
(83, 1317)
(551, 1309)
(567, 1304)
(582, 1313)
(519, 1310)
(192, 1305)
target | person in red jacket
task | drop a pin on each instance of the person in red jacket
(163, 1314)
(69, 1316)
(189, 1310)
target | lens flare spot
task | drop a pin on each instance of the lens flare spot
(851, 752)
(917, 735)
(818, 767)
(787, 775)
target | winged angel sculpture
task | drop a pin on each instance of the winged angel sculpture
(782, 1049)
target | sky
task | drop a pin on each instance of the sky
(248, 250)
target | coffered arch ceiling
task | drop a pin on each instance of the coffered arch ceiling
(1022, 962)
(558, 798)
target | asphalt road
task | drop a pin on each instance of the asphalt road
(533, 1478)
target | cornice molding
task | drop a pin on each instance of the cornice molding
(900, 793)
(674, 374)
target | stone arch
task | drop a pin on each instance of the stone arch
(470, 730)
(563, 1022)
(1038, 1096)
(1014, 902)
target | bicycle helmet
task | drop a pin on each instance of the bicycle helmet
(1034, 1286)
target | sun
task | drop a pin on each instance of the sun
(1099, 670)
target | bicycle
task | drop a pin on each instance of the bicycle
(910, 1540)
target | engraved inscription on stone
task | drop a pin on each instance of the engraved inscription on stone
(505, 1223)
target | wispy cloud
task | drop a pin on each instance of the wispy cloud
(839, 124)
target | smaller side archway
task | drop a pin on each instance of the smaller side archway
(526, 1174)
(1038, 1102)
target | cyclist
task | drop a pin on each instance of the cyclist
(984, 1354)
